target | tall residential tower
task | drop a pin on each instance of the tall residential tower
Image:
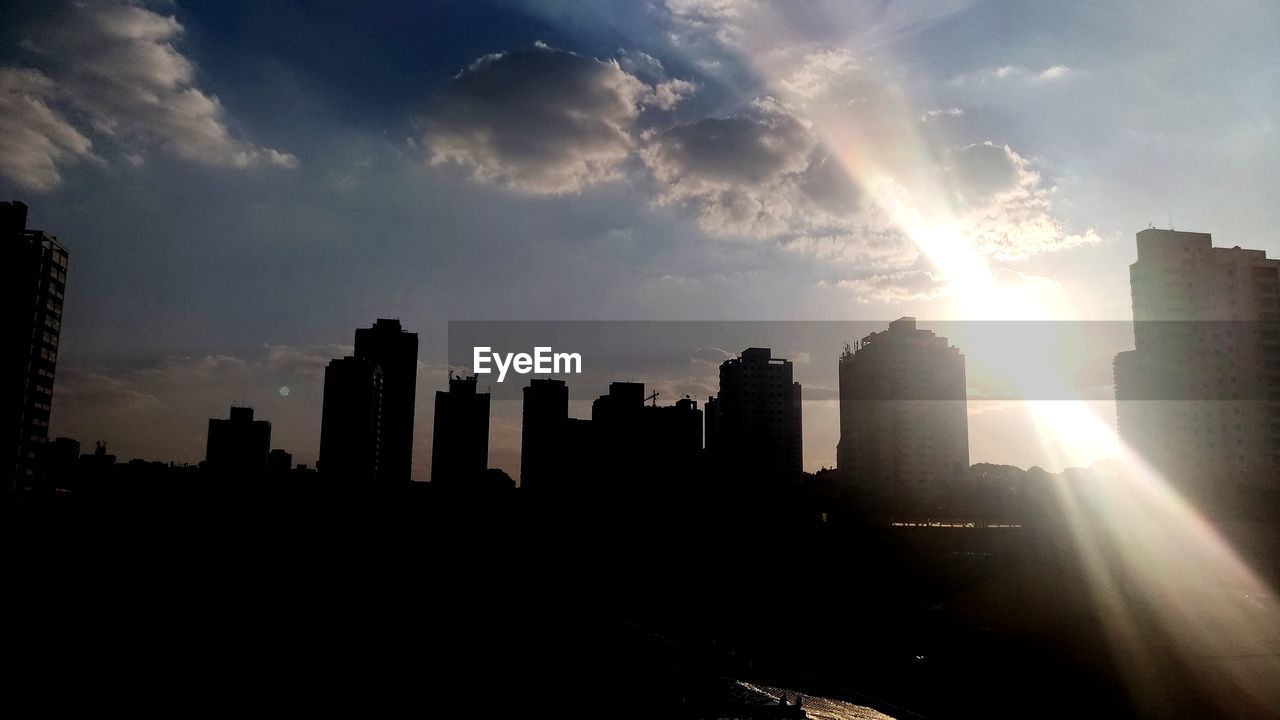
(35, 272)
(395, 352)
(754, 423)
(904, 428)
(1199, 395)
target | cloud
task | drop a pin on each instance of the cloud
(918, 285)
(983, 169)
(896, 288)
(1008, 212)
(306, 361)
(697, 22)
(1015, 73)
(759, 173)
(543, 121)
(816, 72)
(935, 114)
(114, 67)
(870, 246)
(35, 138)
(666, 92)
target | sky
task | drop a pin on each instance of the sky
(242, 184)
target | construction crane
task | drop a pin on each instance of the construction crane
(653, 397)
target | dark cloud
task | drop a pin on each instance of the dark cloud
(983, 169)
(541, 120)
(760, 173)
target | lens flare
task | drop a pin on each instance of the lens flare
(1166, 585)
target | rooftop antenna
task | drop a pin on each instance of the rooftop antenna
(1170, 220)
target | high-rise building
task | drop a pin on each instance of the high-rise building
(904, 428)
(351, 426)
(238, 445)
(543, 433)
(616, 420)
(711, 423)
(757, 420)
(396, 353)
(1199, 395)
(460, 438)
(35, 271)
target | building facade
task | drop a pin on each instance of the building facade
(753, 425)
(1199, 395)
(35, 269)
(904, 427)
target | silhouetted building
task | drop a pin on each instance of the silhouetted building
(757, 422)
(57, 464)
(460, 439)
(543, 433)
(616, 422)
(904, 428)
(279, 461)
(396, 352)
(35, 268)
(238, 446)
(673, 432)
(625, 441)
(97, 463)
(711, 421)
(351, 427)
(1199, 396)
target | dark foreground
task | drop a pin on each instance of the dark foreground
(504, 606)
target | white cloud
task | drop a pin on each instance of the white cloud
(113, 65)
(896, 288)
(695, 22)
(1015, 73)
(667, 92)
(35, 138)
(817, 71)
(919, 285)
(1008, 211)
(931, 115)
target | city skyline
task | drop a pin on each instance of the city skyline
(695, 359)
(989, 340)
(235, 240)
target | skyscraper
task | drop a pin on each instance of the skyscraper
(238, 446)
(35, 268)
(460, 439)
(396, 353)
(616, 420)
(904, 429)
(1199, 395)
(543, 433)
(757, 420)
(351, 426)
